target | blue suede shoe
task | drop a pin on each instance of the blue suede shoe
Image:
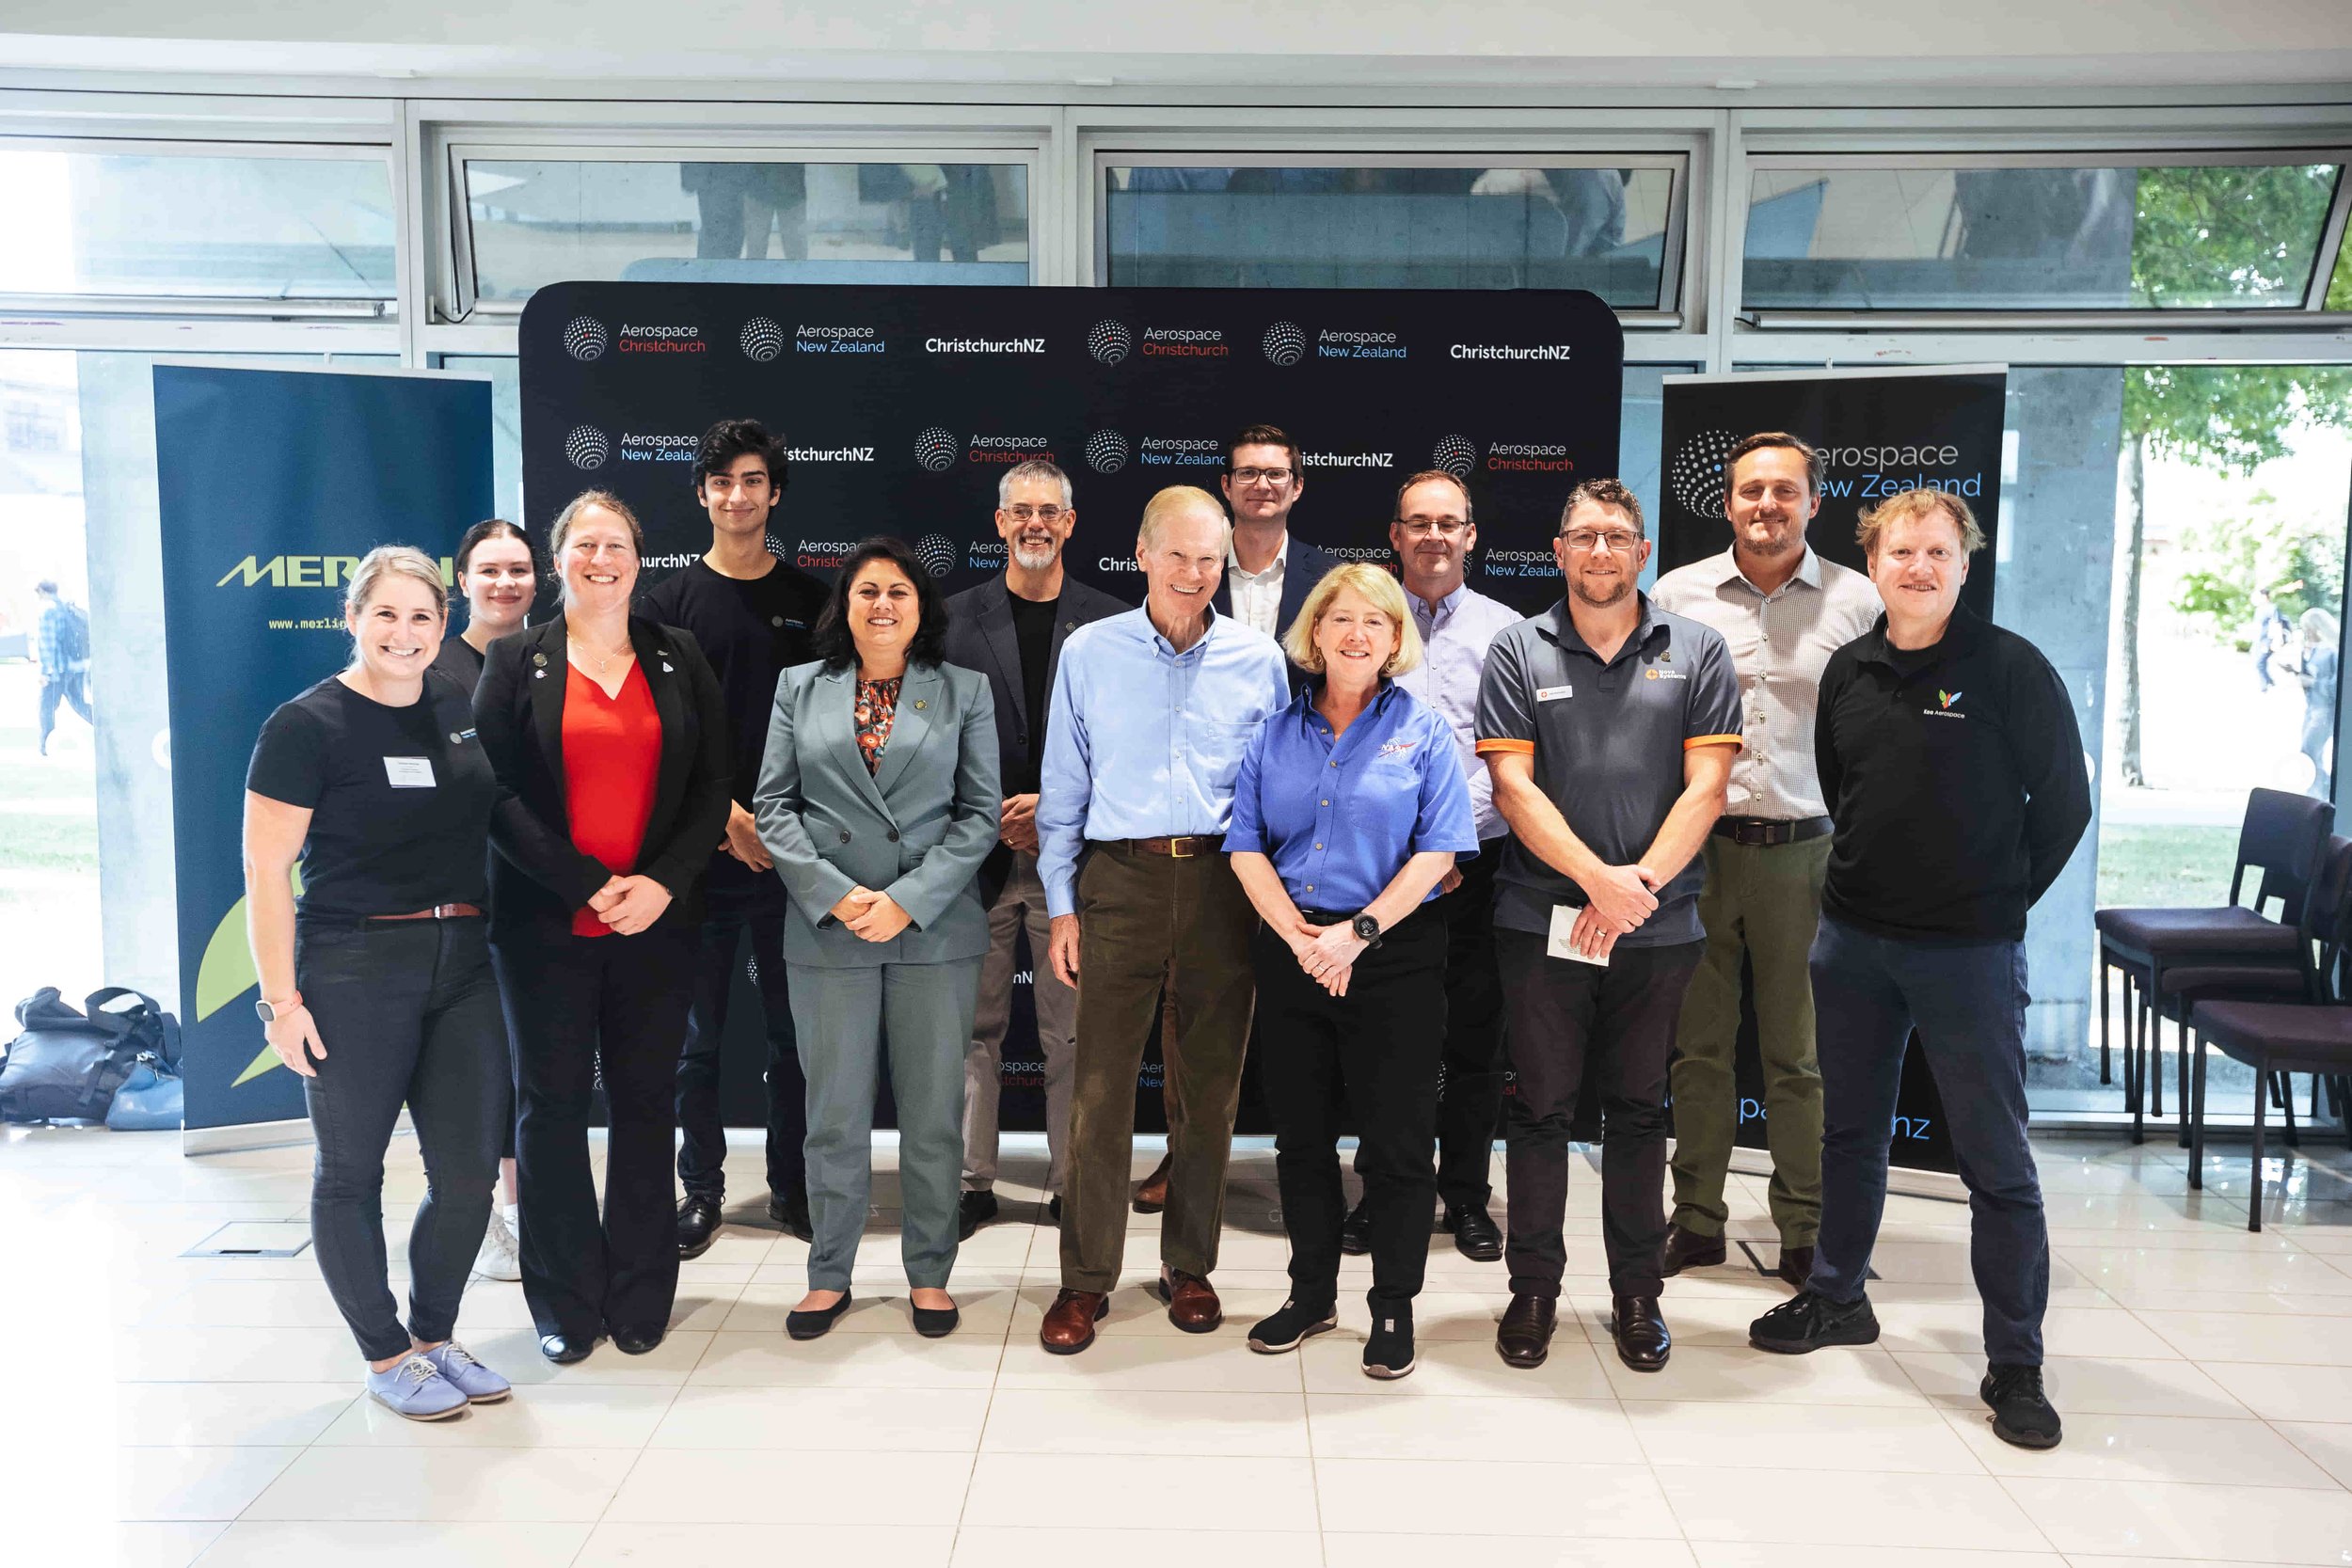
(457, 1364)
(416, 1388)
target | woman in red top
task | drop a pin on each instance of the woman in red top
(609, 742)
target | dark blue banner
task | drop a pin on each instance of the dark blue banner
(271, 484)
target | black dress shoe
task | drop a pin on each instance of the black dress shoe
(1477, 1236)
(1355, 1232)
(1687, 1249)
(1524, 1338)
(816, 1324)
(637, 1342)
(1053, 1207)
(564, 1348)
(697, 1225)
(790, 1211)
(935, 1322)
(1643, 1342)
(1796, 1265)
(973, 1210)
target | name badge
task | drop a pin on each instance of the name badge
(1562, 921)
(408, 772)
(1553, 693)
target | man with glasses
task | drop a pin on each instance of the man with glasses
(1013, 632)
(1269, 573)
(1610, 727)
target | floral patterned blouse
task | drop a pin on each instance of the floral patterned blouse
(876, 706)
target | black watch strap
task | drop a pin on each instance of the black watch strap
(1367, 926)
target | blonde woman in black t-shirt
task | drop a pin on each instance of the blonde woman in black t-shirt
(375, 983)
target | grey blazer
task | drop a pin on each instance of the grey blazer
(917, 828)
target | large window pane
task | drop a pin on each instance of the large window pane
(541, 222)
(2093, 238)
(211, 227)
(1320, 227)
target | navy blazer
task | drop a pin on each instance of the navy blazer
(1303, 567)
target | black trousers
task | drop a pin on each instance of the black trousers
(728, 912)
(1620, 1021)
(1369, 1058)
(581, 1010)
(1469, 1099)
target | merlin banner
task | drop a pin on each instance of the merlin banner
(1881, 431)
(271, 484)
(900, 407)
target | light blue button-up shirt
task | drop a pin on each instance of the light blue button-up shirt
(1453, 644)
(1145, 742)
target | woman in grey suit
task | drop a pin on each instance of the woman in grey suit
(878, 798)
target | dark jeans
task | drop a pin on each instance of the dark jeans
(409, 1015)
(584, 1010)
(68, 688)
(1620, 1020)
(1968, 1003)
(1369, 1058)
(702, 1148)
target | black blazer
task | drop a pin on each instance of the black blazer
(537, 878)
(980, 637)
(1303, 567)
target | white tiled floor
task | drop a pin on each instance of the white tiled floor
(161, 1410)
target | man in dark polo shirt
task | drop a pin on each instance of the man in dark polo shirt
(1610, 727)
(1952, 765)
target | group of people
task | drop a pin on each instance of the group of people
(1371, 827)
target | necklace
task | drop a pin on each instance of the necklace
(603, 661)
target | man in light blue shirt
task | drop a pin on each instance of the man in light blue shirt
(1151, 712)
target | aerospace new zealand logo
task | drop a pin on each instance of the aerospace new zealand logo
(1286, 344)
(587, 447)
(1109, 341)
(1456, 455)
(762, 339)
(585, 338)
(937, 449)
(937, 552)
(1107, 452)
(1699, 474)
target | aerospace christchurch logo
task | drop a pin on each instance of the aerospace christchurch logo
(937, 552)
(1107, 452)
(587, 447)
(1697, 472)
(585, 338)
(936, 449)
(1286, 344)
(1456, 455)
(1110, 342)
(762, 339)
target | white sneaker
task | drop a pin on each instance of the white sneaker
(499, 1258)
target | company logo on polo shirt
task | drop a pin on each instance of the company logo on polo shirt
(1347, 460)
(1456, 455)
(1537, 457)
(937, 552)
(1107, 452)
(585, 338)
(1181, 452)
(984, 345)
(1699, 472)
(1942, 708)
(1284, 343)
(1109, 341)
(1510, 351)
(587, 447)
(762, 339)
(639, 338)
(1337, 345)
(937, 449)
(810, 339)
(1186, 342)
(818, 554)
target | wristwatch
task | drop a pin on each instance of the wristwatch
(1366, 926)
(272, 1012)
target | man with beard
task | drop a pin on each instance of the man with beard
(1013, 632)
(1610, 727)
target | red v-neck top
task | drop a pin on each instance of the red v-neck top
(611, 759)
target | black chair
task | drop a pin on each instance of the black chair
(2280, 1039)
(2281, 836)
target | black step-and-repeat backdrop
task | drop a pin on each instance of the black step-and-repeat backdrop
(900, 407)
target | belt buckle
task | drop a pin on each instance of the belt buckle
(444, 912)
(1752, 835)
(1179, 847)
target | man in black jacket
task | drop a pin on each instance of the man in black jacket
(1013, 632)
(1952, 765)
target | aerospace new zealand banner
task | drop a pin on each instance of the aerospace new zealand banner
(271, 484)
(1883, 432)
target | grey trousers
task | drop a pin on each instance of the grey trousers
(842, 1017)
(1021, 903)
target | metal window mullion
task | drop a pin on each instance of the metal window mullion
(1726, 251)
(2331, 242)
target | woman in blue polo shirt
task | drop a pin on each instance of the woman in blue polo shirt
(1349, 809)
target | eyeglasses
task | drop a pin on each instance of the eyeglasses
(1618, 540)
(1251, 476)
(1049, 516)
(1444, 528)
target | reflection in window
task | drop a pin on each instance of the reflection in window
(2237, 236)
(541, 222)
(204, 226)
(1328, 228)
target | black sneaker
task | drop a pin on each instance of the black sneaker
(2021, 1413)
(1291, 1327)
(1355, 1232)
(1806, 1321)
(1389, 1353)
(973, 1210)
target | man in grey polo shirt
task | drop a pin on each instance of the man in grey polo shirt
(1782, 611)
(1610, 728)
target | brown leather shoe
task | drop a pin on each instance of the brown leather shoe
(1068, 1325)
(1151, 1196)
(1523, 1338)
(1796, 1265)
(1687, 1249)
(1192, 1304)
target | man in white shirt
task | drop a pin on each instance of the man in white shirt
(1268, 574)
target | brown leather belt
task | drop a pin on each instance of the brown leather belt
(1769, 833)
(438, 912)
(1182, 848)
